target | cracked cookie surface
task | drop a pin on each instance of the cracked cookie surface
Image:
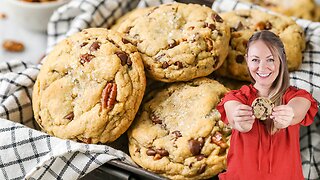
(243, 23)
(178, 132)
(89, 87)
(179, 42)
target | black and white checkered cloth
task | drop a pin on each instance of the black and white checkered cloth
(31, 154)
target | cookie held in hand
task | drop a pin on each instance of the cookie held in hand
(262, 108)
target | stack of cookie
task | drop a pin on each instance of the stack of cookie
(178, 132)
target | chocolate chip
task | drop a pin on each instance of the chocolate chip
(179, 64)
(195, 147)
(162, 152)
(200, 157)
(269, 4)
(202, 168)
(155, 119)
(129, 62)
(177, 134)
(151, 152)
(191, 28)
(94, 46)
(69, 116)
(217, 18)
(84, 58)
(125, 41)
(87, 140)
(83, 44)
(239, 26)
(159, 57)
(239, 59)
(123, 57)
(127, 31)
(191, 164)
(216, 61)
(210, 26)
(245, 43)
(165, 65)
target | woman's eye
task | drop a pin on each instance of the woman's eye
(254, 60)
(271, 60)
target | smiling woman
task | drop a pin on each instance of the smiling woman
(267, 65)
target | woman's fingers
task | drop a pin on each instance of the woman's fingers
(244, 119)
(240, 113)
(244, 107)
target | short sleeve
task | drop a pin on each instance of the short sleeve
(237, 95)
(294, 92)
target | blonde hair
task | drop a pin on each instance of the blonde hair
(275, 45)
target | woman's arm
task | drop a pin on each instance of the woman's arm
(292, 113)
(300, 106)
(239, 115)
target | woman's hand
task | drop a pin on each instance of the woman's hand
(243, 118)
(282, 116)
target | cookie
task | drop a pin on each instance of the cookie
(130, 16)
(178, 132)
(179, 42)
(262, 108)
(89, 87)
(303, 9)
(243, 24)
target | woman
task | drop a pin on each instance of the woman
(266, 149)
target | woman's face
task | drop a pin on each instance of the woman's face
(263, 67)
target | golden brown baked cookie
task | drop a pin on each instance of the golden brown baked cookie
(179, 42)
(303, 9)
(89, 87)
(243, 23)
(130, 16)
(179, 133)
(262, 108)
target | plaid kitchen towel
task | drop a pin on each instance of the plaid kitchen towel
(307, 77)
(31, 154)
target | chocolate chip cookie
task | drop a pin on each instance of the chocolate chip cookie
(178, 132)
(243, 23)
(303, 9)
(179, 42)
(89, 87)
(262, 108)
(130, 16)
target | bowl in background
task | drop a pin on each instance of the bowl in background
(33, 15)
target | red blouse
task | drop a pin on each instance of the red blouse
(257, 154)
